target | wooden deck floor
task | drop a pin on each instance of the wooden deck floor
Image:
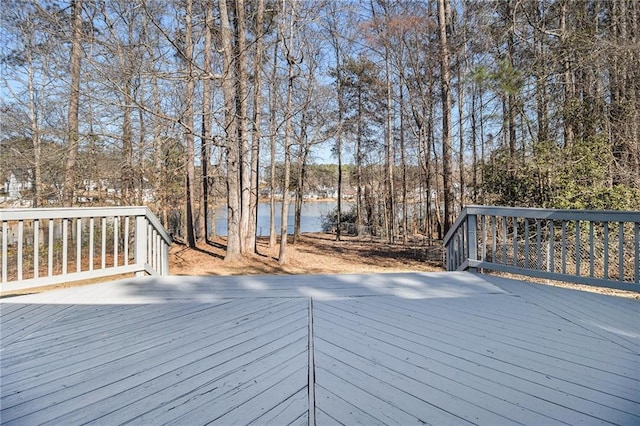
(439, 348)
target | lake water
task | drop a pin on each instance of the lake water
(310, 220)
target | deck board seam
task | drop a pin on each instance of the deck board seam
(591, 330)
(311, 384)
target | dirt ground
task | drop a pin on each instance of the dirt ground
(314, 253)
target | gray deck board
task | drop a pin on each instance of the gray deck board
(458, 358)
(417, 348)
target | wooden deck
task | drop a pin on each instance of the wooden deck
(439, 348)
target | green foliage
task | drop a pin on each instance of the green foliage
(330, 220)
(618, 197)
(575, 177)
(510, 182)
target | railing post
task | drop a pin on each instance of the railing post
(472, 239)
(141, 244)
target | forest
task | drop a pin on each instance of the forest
(412, 108)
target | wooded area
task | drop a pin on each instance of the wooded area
(426, 106)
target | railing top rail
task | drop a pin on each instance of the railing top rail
(84, 212)
(556, 214)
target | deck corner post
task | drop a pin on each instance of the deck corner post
(472, 239)
(141, 244)
(165, 258)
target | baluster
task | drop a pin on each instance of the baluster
(526, 242)
(539, 244)
(504, 240)
(636, 227)
(5, 250)
(493, 238)
(36, 247)
(79, 244)
(103, 258)
(116, 220)
(149, 244)
(591, 250)
(621, 251)
(606, 250)
(578, 254)
(91, 244)
(564, 247)
(552, 248)
(483, 225)
(126, 241)
(65, 236)
(156, 252)
(50, 252)
(514, 222)
(20, 243)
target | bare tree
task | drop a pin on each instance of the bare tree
(246, 242)
(205, 138)
(73, 122)
(256, 124)
(190, 176)
(447, 173)
(231, 140)
(273, 126)
(288, 40)
(333, 28)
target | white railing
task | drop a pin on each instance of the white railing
(600, 248)
(51, 246)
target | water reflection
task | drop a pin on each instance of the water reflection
(310, 219)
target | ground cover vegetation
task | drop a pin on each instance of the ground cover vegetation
(424, 107)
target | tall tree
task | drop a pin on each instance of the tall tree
(288, 40)
(73, 123)
(256, 123)
(205, 138)
(333, 25)
(231, 139)
(188, 122)
(445, 67)
(247, 245)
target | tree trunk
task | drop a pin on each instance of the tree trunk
(461, 129)
(188, 126)
(126, 170)
(282, 256)
(447, 174)
(205, 141)
(273, 128)
(288, 130)
(232, 146)
(35, 134)
(359, 215)
(74, 103)
(256, 135)
(389, 151)
(302, 172)
(403, 161)
(246, 246)
(568, 86)
(335, 42)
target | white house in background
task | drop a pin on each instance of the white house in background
(17, 182)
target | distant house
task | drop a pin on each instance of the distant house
(17, 182)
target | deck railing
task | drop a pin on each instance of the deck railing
(600, 248)
(55, 245)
